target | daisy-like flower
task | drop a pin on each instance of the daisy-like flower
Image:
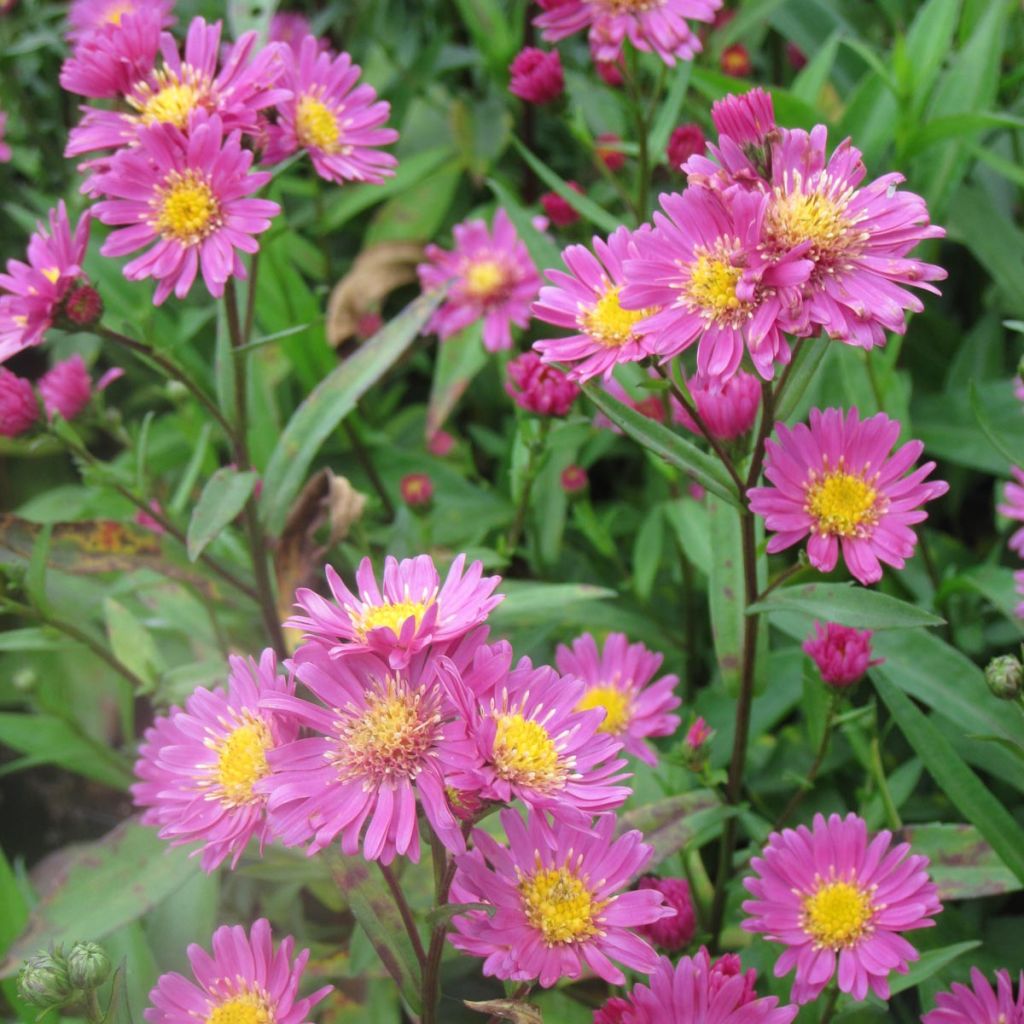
(88, 16)
(839, 481)
(374, 754)
(657, 26)
(337, 122)
(620, 680)
(409, 611)
(31, 294)
(558, 901)
(701, 268)
(492, 278)
(695, 991)
(1013, 508)
(586, 301)
(838, 903)
(199, 768)
(978, 1004)
(189, 196)
(110, 60)
(245, 981)
(520, 733)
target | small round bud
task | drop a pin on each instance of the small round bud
(417, 490)
(1005, 677)
(83, 305)
(88, 965)
(43, 980)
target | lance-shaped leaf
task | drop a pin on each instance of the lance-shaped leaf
(961, 863)
(848, 605)
(223, 497)
(670, 824)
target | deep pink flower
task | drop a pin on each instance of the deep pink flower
(536, 75)
(189, 196)
(539, 388)
(836, 900)
(735, 61)
(620, 680)
(746, 118)
(33, 292)
(727, 408)
(492, 278)
(245, 979)
(83, 305)
(613, 1011)
(586, 301)
(671, 933)
(979, 1004)
(728, 966)
(5, 150)
(18, 406)
(372, 755)
(657, 26)
(606, 149)
(411, 610)
(841, 653)
(66, 388)
(417, 489)
(88, 16)
(838, 481)
(684, 142)
(693, 992)
(702, 268)
(111, 59)
(796, 57)
(200, 768)
(558, 901)
(1013, 508)
(558, 209)
(336, 121)
(574, 480)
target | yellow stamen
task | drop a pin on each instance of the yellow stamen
(560, 905)
(51, 274)
(316, 125)
(187, 209)
(173, 99)
(484, 279)
(116, 11)
(818, 217)
(392, 615)
(837, 914)
(246, 1008)
(711, 289)
(608, 323)
(525, 753)
(241, 761)
(615, 703)
(842, 504)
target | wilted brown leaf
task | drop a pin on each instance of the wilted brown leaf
(508, 1009)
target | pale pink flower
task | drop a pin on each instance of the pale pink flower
(66, 388)
(842, 654)
(1013, 508)
(979, 1004)
(19, 409)
(536, 75)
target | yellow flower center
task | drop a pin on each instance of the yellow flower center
(484, 279)
(525, 753)
(187, 209)
(246, 1008)
(837, 914)
(316, 125)
(842, 504)
(173, 99)
(116, 11)
(608, 323)
(51, 274)
(241, 761)
(559, 905)
(817, 217)
(711, 289)
(615, 702)
(392, 615)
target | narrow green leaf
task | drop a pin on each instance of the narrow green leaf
(544, 253)
(806, 363)
(848, 605)
(528, 604)
(459, 360)
(223, 497)
(929, 40)
(961, 863)
(131, 642)
(250, 15)
(669, 110)
(669, 824)
(31, 638)
(647, 549)
(813, 77)
(932, 961)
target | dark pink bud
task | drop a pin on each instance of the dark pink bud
(574, 479)
(83, 305)
(671, 933)
(368, 325)
(747, 118)
(417, 489)
(842, 654)
(727, 409)
(440, 443)
(608, 152)
(725, 968)
(465, 804)
(66, 388)
(537, 387)
(536, 75)
(147, 522)
(18, 406)
(795, 56)
(698, 734)
(614, 1011)
(687, 140)
(610, 71)
(559, 210)
(735, 61)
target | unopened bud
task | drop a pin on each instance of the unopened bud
(1005, 676)
(43, 980)
(83, 305)
(88, 965)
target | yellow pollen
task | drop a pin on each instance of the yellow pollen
(186, 208)
(173, 100)
(560, 905)
(241, 761)
(842, 504)
(608, 323)
(51, 274)
(813, 217)
(391, 615)
(629, 6)
(524, 752)
(712, 286)
(615, 702)
(246, 1008)
(838, 914)
(485, 279)
(316, 125)
(115, 12)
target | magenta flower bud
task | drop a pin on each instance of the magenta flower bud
(417, 490)
(842, 654)
(440, 443)
(610, 72)
(729, 966)
(608, 152)
(728, 408)
(746, 119)
(697, 735)
(465, 804)
(537, 387)
(536, 75)
(573, 479)
(66, 388)
(685, 141)
(558, 210)
(18, 406)
(613, 1012)
(671, 933)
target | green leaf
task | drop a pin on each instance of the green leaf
(1001, 445)
(814, 76)
(131, 642)
(971, 797)
(223, 497)
(669, 110)
(932, 961)
(930, 39)
(961, 863)
(528, 604)
(848, 605)
(250, 15)
(31, 638)
(100, 887)
(705, 469)
(544, 253)
(330, 402)
(647, 552)
(459, 360)
(670, 824)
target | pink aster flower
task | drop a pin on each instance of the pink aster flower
(199, 768)
(110, 60)
(536, 75)
(411, 610)
(842, 654)
(702, 268)
(538, 388)
(189, 196)
(671, 933)
(839, 482)
(620, 680)
(32, 293)
(692, 991)
(727, 408)
(747, 118)
(978, 1004)
(657, 26)
(1013, 508)
(245, 979)
(521, 734)
(19, 409)
(88, 16)
(335, 120)
(373, 754)
(836, 900)
(492, 278)
(685, 141)
(66, 388)
(558, 901)
(5, 150)
(586, 301)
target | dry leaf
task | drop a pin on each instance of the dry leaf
(508, 1009)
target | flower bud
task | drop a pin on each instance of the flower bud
(83, 305)
(573, 479)
(43, 980)
(88, 965)
(417, 490)
(614, 1011)
(1004, 676)
(536, 75)
(671, 933)
(539, 388)
(607, 150)
(842, 654)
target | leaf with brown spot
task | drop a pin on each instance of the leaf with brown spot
(670, 824)
(963, 865)
(507, 1009)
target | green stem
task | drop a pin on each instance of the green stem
(405, 911)
(532, 467)
(892, 816)
(636, 104)
(819, 758)
(93, 1010)
(444, 872)
(366, 461)
(830, 1005)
